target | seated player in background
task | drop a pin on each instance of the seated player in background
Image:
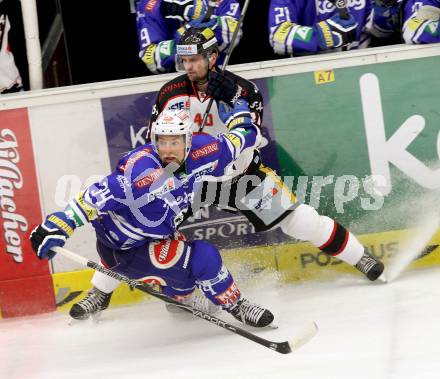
(299, 27)
(421, 21)
(160, 24)
(409, 21)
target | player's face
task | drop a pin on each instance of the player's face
(196, 67)
(171, 149)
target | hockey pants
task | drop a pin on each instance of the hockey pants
(177, 266)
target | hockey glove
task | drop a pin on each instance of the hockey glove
(54, 231)
(184, 10)
(336, 32)
(237, 116)
(212, 23)
(222, 88)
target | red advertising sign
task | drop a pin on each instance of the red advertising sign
(25, 281)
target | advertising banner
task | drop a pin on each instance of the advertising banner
(25, 282)
(126, 119)
(360, 144)
(363, 147)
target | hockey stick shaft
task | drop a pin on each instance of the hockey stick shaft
(226, 61)
(211, 6)
(281, 347)
(341, 6)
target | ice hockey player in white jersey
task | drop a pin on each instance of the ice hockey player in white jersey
(192, 91)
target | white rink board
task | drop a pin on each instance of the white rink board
(71, 152)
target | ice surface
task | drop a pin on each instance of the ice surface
(367, 330)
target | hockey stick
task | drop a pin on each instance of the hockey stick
(211, 6)
(225, 62)
(305, 334)
(341, 6)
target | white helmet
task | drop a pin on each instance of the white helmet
(173, 123)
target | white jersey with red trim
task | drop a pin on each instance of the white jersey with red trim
(180, 93)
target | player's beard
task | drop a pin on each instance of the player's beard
(171, 159)
(199, 79)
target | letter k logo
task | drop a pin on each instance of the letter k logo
(382, 152)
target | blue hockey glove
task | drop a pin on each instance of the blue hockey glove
(184, 10)
(198, 23)
(237, 116)
(222, 88)
(54, 231)
(336, 32)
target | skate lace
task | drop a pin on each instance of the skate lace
(365, 264)
(250, 312)
(93, 301)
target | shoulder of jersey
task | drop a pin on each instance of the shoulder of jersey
(204, 147)
(139, 160)
(174, 87)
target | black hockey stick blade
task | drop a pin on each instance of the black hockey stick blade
(303, 336)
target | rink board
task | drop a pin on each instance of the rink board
(286, 263)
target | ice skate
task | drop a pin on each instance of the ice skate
(251, 314)
(370, 266)
(92, 305)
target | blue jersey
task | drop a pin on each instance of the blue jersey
(139, 201)
(292, 24)
(421, 21)
(158, 35)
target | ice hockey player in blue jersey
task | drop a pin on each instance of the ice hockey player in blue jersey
(160, 23)
(299, 27)
(136, 210)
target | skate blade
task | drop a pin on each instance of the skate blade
(74, 321)
(382, 278)
(93, 319)
(270, 326)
